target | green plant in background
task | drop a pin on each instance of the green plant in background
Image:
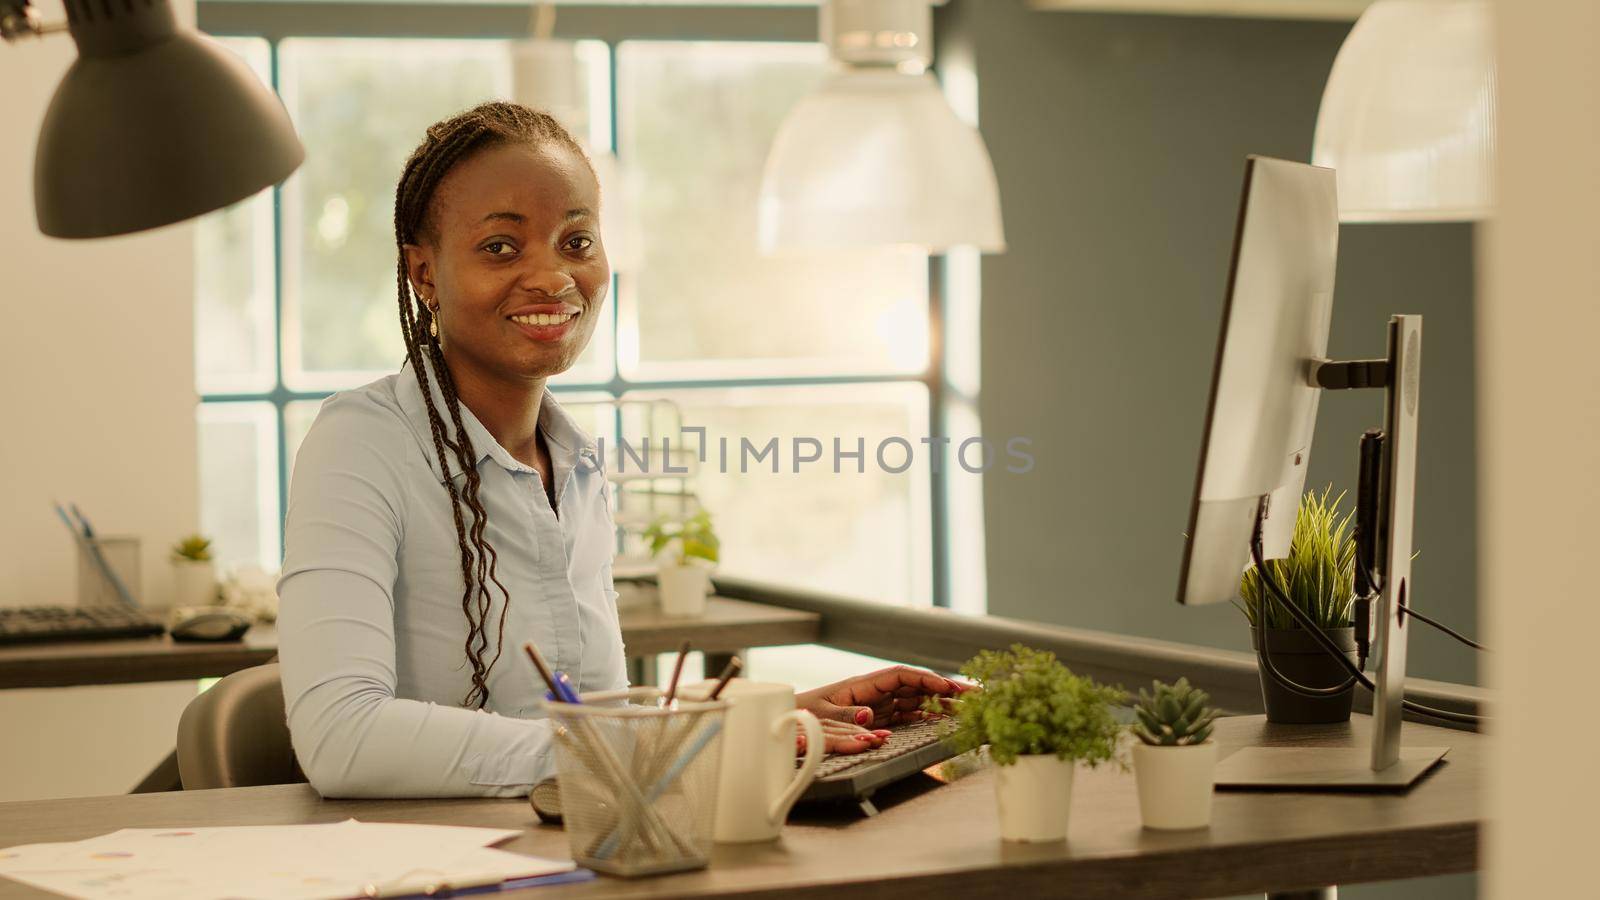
(695, 536)
(1032, 704)
(194, 548)
(1173, 715)
(1319, 574)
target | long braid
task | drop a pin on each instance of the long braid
(447, 143)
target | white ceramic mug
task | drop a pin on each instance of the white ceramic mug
(759, 783)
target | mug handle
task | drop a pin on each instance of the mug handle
(808, 769)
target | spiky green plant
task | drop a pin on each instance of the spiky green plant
(1029, 703)
(1173, 715)
(695, 536)
(1319, 573)
(194, 547)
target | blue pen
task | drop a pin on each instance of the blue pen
(84, 536)
(564, 685)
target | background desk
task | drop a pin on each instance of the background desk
(940, 840)
(728, 626)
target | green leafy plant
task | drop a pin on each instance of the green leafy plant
(1318, 576)
(695, 537)
(194, 548)
(1029, 703)
(1173, 715)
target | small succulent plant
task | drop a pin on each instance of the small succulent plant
(195, 548)
(1175, 715)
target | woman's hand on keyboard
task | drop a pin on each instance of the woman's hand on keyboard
(843, 737)
(892, 696)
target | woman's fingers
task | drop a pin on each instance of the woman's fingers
(843, 737)
(838, 742)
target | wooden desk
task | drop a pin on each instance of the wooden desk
(941, 840)
(728, 626)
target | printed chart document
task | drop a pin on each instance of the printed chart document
(274, 862)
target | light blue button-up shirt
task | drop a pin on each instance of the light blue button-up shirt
(371, 631)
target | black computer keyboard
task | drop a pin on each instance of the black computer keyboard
(39, 624)
(856, 776)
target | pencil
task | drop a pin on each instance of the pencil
(732, 669)
(544, 671)
(677, 672)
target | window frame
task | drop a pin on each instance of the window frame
(276, 21)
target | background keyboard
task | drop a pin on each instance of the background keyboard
(39, 624)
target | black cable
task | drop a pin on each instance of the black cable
(1377, 586)
(1444, 628)
(1304, 621)
(1264, 649)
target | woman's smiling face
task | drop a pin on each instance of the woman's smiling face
(511, 258)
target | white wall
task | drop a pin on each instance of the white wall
(97, 369)
(1540, 434)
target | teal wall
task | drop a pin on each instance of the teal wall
(1119, 142)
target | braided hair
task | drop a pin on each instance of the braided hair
(447, 143)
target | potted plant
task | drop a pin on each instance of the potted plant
(1039, 721)
(1318, 576)
(194, 573)
(1175, 759)
(684, 576)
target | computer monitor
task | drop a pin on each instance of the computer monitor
(1270, 371)
(1263, 410)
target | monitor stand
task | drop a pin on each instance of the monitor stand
(1323, 769)
(1386, 766)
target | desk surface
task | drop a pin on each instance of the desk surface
(940, 840)
(727, 626)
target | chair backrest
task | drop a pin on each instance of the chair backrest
(236, 734)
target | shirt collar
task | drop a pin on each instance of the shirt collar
(567, 442)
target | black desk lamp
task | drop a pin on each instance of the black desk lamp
(153, 123)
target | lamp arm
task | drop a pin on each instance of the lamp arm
(18, 19)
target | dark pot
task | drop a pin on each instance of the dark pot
(1302, 660)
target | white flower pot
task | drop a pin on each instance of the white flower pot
(683, 588)
(194, 583)
(1035, 796)
(1175, 784)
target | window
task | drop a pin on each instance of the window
(296, 300)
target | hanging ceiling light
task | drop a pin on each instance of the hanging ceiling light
(551, 76)
(1408, 116)
(876, 156)
(152, 124)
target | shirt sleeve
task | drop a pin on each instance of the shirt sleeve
(336, 631)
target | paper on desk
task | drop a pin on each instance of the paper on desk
(272, 862)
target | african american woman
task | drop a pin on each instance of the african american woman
(453, 509)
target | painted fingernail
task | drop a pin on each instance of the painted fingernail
(863, 737)
(863, 716)
(882, 732)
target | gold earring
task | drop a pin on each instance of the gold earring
(433, 321)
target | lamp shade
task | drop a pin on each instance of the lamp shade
(1408, 114)
(552, 77)
(153, 124)
(876, 157)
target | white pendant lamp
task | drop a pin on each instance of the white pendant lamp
(1408, 115)
(549, 75)
(876, 156)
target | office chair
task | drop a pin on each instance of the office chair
(236, 734)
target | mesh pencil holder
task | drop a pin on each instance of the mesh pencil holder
(638, 781)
